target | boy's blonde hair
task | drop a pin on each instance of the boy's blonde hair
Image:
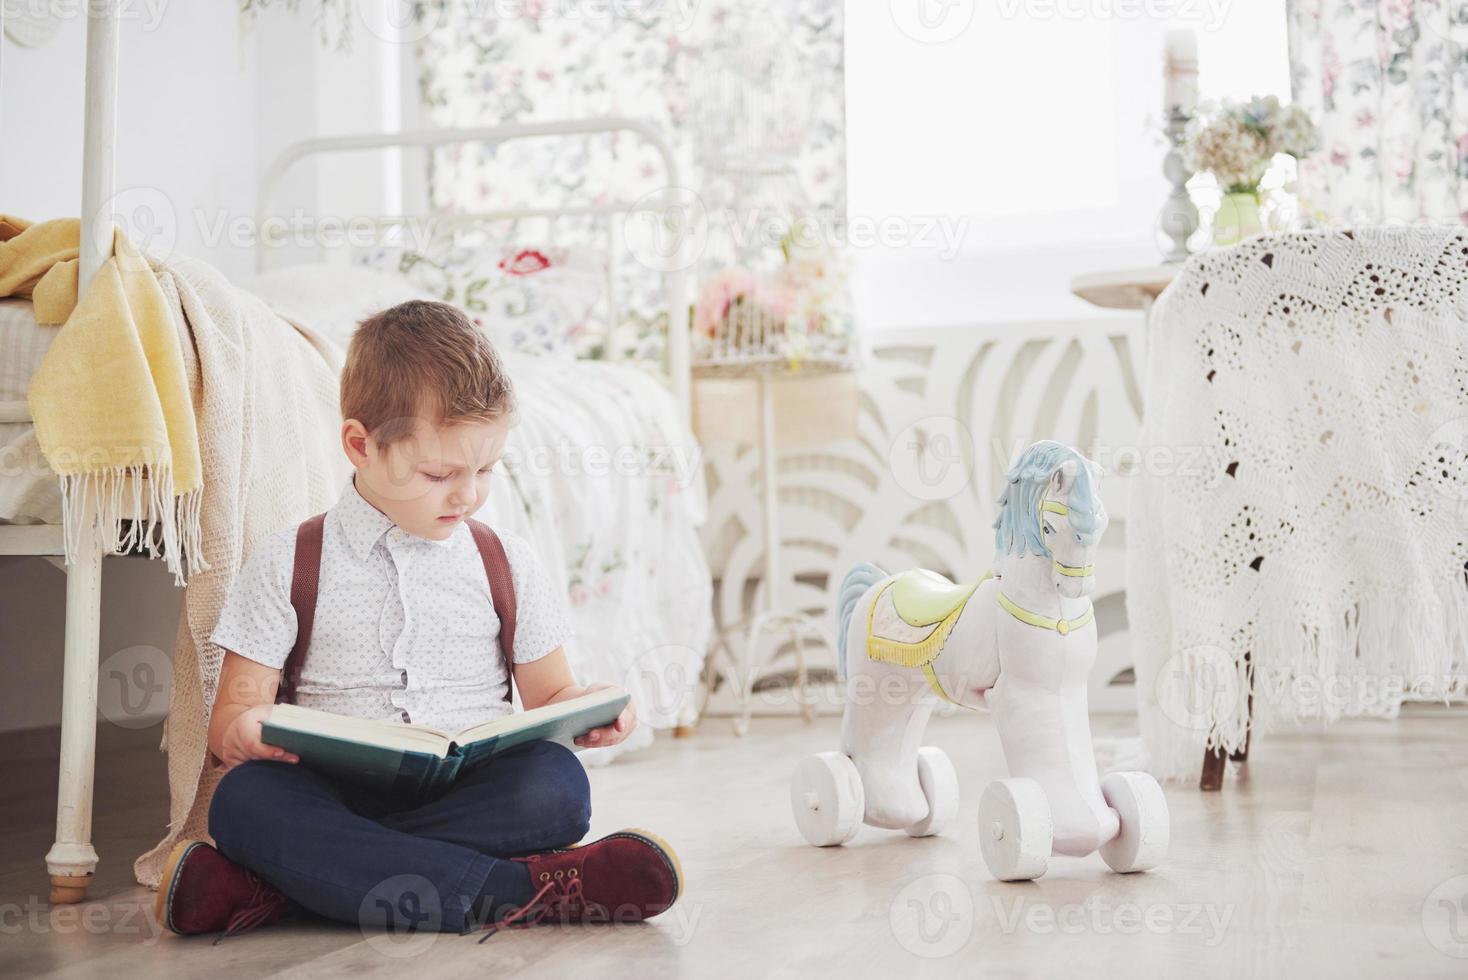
(422, 360)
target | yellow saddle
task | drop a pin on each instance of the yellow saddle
(911, 618)
(923, 597)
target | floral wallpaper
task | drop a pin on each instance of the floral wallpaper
(1387, 81)
(557, 59)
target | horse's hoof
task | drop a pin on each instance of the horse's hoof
(1015, 830)
(940, 788)
(1141, 843)
(827, 799)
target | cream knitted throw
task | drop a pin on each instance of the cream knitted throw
(1298, 532)
(265, 395)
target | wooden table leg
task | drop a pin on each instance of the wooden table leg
(1212, 781)
(1214, 759)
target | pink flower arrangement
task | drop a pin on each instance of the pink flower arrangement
(718, 295)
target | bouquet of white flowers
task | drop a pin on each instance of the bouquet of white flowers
(1237, 141)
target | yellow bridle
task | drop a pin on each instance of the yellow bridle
(1070, 571)
(1061, 626)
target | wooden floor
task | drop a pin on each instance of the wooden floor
(1339, 855)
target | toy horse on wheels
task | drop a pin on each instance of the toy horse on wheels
(1019, 641)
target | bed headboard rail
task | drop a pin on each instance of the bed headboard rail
(664, 201)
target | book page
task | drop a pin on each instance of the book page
(537, 716)
(369, 731)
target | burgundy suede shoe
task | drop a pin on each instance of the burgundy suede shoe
(204, 891)
(624, 877)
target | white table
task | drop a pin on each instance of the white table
(773, 410)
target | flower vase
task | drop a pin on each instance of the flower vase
(1237, 218)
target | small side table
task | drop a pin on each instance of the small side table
(789, 408)
(1125, 289)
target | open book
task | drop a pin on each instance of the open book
(416, 759)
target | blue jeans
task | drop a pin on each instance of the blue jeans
(432, 863)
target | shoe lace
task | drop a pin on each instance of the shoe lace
(560, 896)
(264, 903)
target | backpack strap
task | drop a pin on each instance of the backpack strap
(501, 593)
(305, 577)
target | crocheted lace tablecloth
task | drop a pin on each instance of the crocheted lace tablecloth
(1298, 535)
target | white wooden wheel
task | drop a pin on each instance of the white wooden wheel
(939, 781)
(1141, 843)
(1015, 829)
(827, 799)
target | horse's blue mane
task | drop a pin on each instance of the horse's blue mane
(1017, 528)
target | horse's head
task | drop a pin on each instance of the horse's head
(1050, 508)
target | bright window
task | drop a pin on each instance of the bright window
(1036, 126)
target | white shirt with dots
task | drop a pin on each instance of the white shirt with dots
(405, 629)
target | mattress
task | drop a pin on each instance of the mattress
(29, 492)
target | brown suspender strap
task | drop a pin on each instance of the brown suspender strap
(305, 577)
(501, 593)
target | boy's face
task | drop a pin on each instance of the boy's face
(430, 482)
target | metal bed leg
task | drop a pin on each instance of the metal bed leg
(72, 859)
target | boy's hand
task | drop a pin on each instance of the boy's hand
(609, 734)
(242, 740)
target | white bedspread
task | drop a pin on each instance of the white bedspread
(607, 483)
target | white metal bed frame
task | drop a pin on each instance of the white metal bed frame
(72, 859)
(676, 279)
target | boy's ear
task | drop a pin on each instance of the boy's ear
(354, 442)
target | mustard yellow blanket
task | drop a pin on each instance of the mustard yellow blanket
(111, 401)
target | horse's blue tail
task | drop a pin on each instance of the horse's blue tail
(853, 586)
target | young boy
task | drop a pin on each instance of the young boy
(405, 629)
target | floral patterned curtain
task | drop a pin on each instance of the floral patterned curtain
(543, 60)
(1388, 82)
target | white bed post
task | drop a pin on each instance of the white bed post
(72, 859)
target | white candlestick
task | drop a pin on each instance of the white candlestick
(1181, 73)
